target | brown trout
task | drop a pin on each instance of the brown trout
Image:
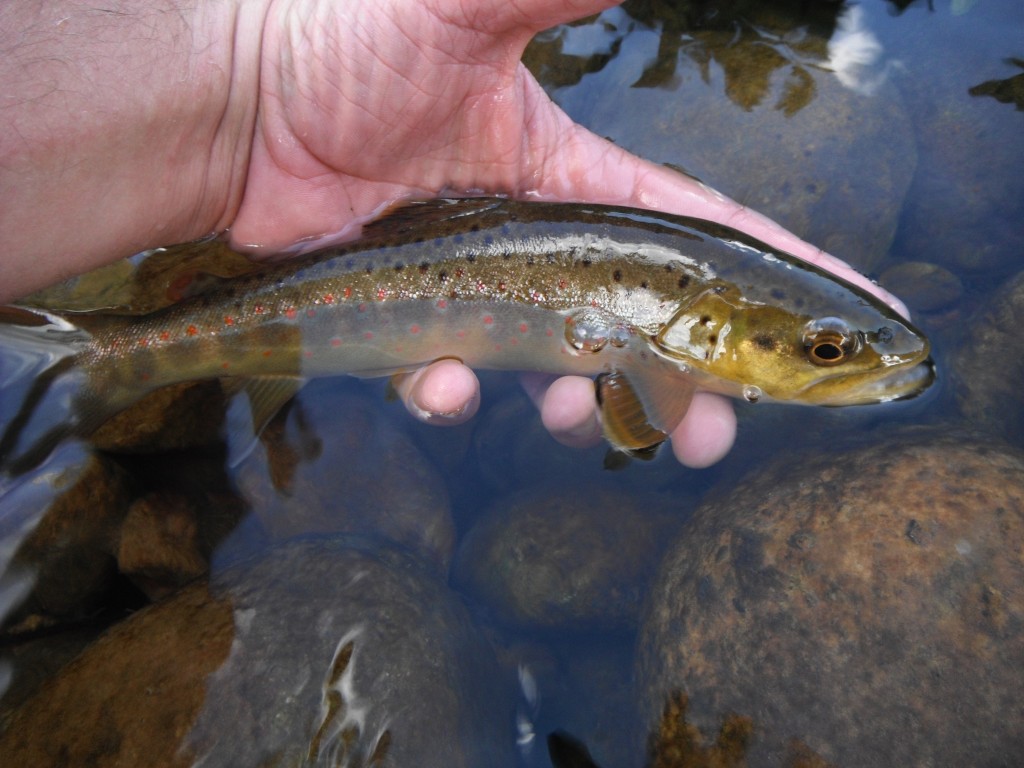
(652, 304)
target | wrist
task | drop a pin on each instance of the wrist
(122, 130)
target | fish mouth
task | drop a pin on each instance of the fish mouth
(901, 383)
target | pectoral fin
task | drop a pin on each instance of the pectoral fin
(639, 411)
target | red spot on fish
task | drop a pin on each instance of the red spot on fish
(348, 291)
(307, 354)
(362, 307)
(414, 329)
(460, 334)
(164, 336)
(381, 294)
(257, 309)
(549, 332)
(191, 330)
(488, 320)
(513, 341)
(145, 377)
(335, 342)
(266, 352)
(228, 320)
(562, 284)
(328, 298)
(501, 285)
(480, 286)
(593, 302)
(290, 313)
(523, 328)
(310, 312)
(497, 347)
(143, 342)
(368, 335)
(458, 273)
(442, 304)
(225, 365)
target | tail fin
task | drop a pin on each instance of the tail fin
(41, 385)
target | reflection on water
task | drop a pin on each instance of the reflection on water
(355, 589)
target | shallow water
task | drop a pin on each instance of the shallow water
(889, 133)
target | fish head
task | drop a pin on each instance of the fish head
(850, 349)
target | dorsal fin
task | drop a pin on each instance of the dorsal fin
(407, 216)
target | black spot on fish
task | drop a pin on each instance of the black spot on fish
(529, 261)
(458, 239)
(586, 262)
(683, 281)
(470, 257)
(442, 275)
(705, 319)
(418, 240)
(643, 284)
(764, 341)
(424, 266)
(399, 266)
(669, 268)
(617, 275)
(475, 228)
(506, 254)
(369, 269)
(438, 242)
(778, 294)
(488, 240)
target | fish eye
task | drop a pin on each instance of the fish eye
(830, 341)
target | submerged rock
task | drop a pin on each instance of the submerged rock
(128, 699)
(567, 559)
(743, 98)
(869, 605)
(70, 551)
(988, 371)
(336, 464)
(318, 653)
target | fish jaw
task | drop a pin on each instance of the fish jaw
(903, 368)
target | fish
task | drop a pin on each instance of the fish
(654, 306)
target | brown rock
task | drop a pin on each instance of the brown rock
(70, 551)
(159, 546)
(178, 416)
(130, 698)
(987, 369)
(567, 559)
(868, 604)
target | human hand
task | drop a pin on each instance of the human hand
(364, 103)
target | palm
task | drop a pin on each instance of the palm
(450, 107)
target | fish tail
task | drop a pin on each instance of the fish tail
(45, 396)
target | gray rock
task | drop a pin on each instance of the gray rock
(339, 651)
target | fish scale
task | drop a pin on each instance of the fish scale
(661, 304)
